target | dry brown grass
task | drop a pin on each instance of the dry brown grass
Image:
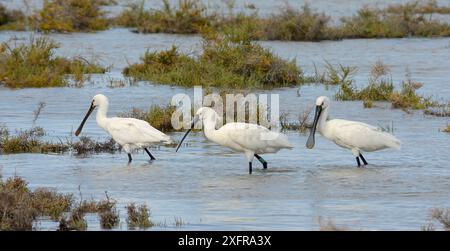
(138, 216)
(440, 216)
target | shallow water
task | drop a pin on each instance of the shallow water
(394, 192)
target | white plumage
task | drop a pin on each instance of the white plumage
(251, 139)
(130, 133)
(356, 136)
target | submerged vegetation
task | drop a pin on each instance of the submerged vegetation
(31, 141)
(34, 64)
(228, 59)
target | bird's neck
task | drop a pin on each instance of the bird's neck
(321, 124)
(209, 129)
(101, 115)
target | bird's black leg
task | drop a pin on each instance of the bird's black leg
(129, 158)
(263, 162)
(149, 154)
(249, 167)
(357, 160)
(362, 158)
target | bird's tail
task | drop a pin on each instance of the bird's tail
(168, 141)
(393, 142)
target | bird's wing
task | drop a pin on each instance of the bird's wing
(129, 130)
(252, 136)
(361, 135)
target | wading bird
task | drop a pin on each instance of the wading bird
(356, 136)
(250, 139)
(130, 133)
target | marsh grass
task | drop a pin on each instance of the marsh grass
(159, 116)
(407, 98)
(381, 88)
(12, 19)
(302, 24)
(75, 222)
(290, 23)
(30, 141)
(421, 7)
(188, 17)
(392, 22)
(34, 64)
(19, 206)
(138, 216)
(87, 145)
(107, 211)
(72, 15)
(334, 74)
(228, 60)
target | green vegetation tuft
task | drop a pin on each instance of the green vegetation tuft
(34, 64)
(297, 25)
(188, 17)
(228, 60)
(72, 15)
(381, 88)
(404, 21)
(420, 7)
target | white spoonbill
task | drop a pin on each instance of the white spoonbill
(130, 133)
(356, 136)
(250, 139)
